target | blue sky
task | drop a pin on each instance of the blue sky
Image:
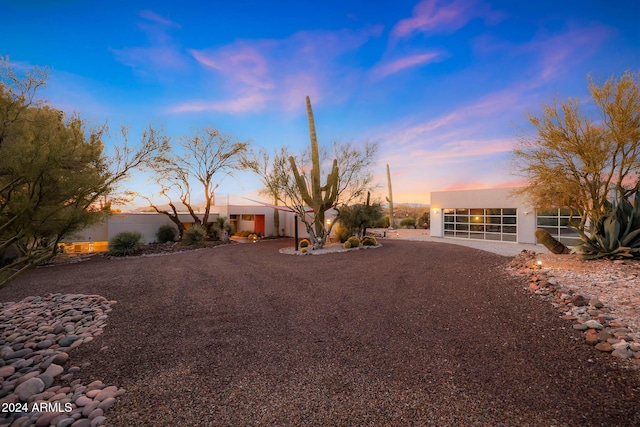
(442, 86)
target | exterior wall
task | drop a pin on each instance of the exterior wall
(148, 223)
(486, 198)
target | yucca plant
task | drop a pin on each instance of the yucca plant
(616, 235)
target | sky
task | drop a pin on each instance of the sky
(443, 87)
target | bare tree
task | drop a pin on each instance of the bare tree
(207, 154)
(577, 161)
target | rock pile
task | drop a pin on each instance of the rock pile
(599, 325)
(36, 336)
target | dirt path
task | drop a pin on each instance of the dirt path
(413, 333)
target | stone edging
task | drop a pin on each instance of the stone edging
(36, 336)
(589, 315)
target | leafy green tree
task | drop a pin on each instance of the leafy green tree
(578, 161)
(356, 218)
(54, 178)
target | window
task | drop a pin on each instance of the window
(557, 222)
(482, 224)
(247, 217)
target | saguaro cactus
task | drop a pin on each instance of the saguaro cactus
(392, 220)
(320, 198)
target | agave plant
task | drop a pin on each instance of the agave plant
(616, 235)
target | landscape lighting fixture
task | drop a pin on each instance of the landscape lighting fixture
(539, 264)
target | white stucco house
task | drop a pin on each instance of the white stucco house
(495, 214)
(254, 218)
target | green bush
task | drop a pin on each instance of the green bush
(369, 241)
(304, 250)
(408, 223)
(341, 232)
(346, 245)
(194, 236)
(354, 241)
(125, 243)
(166, 233)
(304, 243)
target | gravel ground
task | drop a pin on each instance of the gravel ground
(412, 333)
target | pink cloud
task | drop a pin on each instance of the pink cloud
(430, 16)
(307, 63)
(154, 17)
(385, 69)
(238, 105)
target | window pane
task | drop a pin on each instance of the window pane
(462, 226)
(509, 220)
(477, 219)
(509, 229)
(492, 236)
(548, 221)
(477, 235)
(448, 226)
(547, 212)
(476, 227)
(448, 218)
(494, 220)
(462, 211)
(509, 237)
(463, 234)
(448, 233)
(509, 211)
(494, 211)
(491, 228)
(462, 218)
(476, 211)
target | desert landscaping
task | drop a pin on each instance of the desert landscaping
(410, 332)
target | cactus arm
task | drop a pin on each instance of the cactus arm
(301, 183)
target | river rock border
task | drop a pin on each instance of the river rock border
(36, 336)
(598, 324)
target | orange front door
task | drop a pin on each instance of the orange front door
(259, 224)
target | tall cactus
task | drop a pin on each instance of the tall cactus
(392, 220)
(322, 197)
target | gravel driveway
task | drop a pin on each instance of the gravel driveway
(412, 333)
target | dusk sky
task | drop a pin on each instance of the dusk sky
(442, 86)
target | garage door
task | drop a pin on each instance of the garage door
(499, 224)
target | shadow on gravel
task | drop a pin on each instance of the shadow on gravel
(410, 333)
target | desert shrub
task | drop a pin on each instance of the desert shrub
(194, 236)
(253, 237)
(304, 243)
(346, 245)
(341, 232)
(408, 223)
(369, 241)
(125, 243)
(244, 233)
(166, 233)
(424, 220)
(354, 241)
(383, 222)
(304, 250)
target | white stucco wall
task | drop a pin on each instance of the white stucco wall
(484, 198)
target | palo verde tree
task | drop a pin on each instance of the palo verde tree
(299, 180)
(261, 164)
(53, 173)
(578, 161)
(202, 158)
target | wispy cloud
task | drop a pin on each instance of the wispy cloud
(388, 68)
(162, 51)
(275, 71)
(431, 15)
